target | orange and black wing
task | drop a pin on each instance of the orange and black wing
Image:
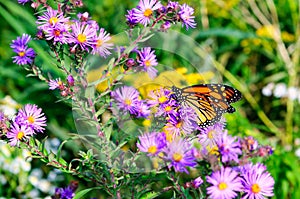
(209, 101)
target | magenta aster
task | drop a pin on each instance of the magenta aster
(148, 61)
(58, 33)
(51, 18)
(82, 35)
(18, 133)
(159, 97)
(229, 148)
(224, 184)
(31, 116)
(145, 9)
(186, 15)
(152, 143)
(209, 136)
(179, 153)
(101, 45)
(257, 182)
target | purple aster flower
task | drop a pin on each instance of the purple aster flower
(148, 61)
(258, 167)
(58, 33)
(131, 20)
(126, 98)
(257, 182)
(184, 122)
(51, 18)
(168, 108)
(152, 143)
(101, 46)
(64, 193)
(165, 26)
(56, 83)
(225, 184)
(173, 5)
(16, 133)
(23, 1)
(143, 109)
(159, 96)
(25, 55)
(179, 153)
(82, 35)
(229, 148)
(32, 116)
(210, 135)
(186, 17)
(145, 9)
(197, 182)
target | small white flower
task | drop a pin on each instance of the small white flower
(267, 90)
(280, 90)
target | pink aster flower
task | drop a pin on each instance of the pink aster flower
(17, 133)
(186, 16)
(58, 33)
(152, 143)
(209, 136)
(31, 116)
(51, 18)
(56, 83)
(101, 45)
(145, 9)
(257, 182)
(148, 61)
(179, 154)
(224, 184)
(82, 35)
(229, 148)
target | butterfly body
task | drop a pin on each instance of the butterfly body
(209, 101)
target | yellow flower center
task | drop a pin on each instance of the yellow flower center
(81, 38)
(147, 63)
(128, 102)
(21, 54)
(168, 108)
(255, 188)
(53, 20)
(162, 99)
(99, 43)
(147, 122)
(56, 33)
(210, 134)
(177, 157)
(222, 186)
(20, 135)
(179, 124)
(31, 119)
(152, 149)
(148, 12)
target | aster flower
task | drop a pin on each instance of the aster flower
(84, 18)
(131, 20)
(148, 61)
(70, 80)
(51, 18)
(225, 184)
(56, 83)
(152, 143)
(179, 153)
(229, 148)
(101, 46)
(173, 5)
(82, 35)
(126, 98)
(58, 33)
(31, 116)
(17, 133)
(257, 182)
(168, 108)
(159, 96)
(25, 55)
(145, 9)
(197, 182)
(143, 109)
(186, 17)
(23, 1)
(184, 122)
(249, 143)
(210, 135)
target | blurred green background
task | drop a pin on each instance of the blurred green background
(254, 46)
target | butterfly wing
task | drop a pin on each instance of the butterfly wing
(209, 101)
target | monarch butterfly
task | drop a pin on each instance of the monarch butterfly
(209, 101)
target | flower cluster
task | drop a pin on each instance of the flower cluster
(28, 121)
(65, 89)
(66, 192)
(82, 34)
(127, 100)
(281, 90)
(25, 55)
(152, 11)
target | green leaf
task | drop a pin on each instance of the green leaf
(81, 193)
(150, 195)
